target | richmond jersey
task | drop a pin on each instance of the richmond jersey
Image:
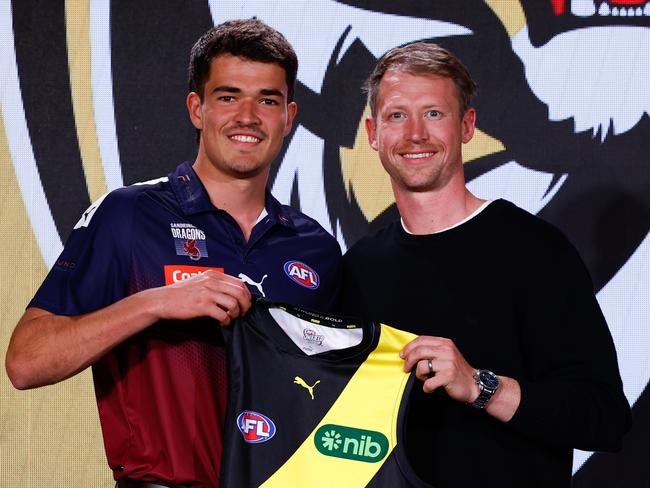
(315, 401)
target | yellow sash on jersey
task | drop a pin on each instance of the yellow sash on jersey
(370, 402)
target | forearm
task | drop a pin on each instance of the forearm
(505, 401)
(47, 348)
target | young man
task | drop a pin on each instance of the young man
(150, 268)
(488, 288)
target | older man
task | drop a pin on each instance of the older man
(517, 363)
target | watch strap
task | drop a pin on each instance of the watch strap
(485, 393)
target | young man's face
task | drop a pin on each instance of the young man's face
(418, 130)
(243, 117)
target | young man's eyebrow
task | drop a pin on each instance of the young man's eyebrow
(267, 92)
(271, 92)
(227, 89)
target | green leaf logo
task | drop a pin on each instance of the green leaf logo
(349, 443)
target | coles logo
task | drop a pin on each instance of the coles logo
(175, 273)
(302, 274)
(255, 427)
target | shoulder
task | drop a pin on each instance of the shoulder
(381, 237)
(376, 245)
(529, 235)
(306, 226)
(509, 218)
(119, 204)
(129, 195)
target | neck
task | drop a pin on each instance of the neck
(432, 211)
(242, 198)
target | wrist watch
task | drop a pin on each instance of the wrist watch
(488, 384)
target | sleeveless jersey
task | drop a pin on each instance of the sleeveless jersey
(315, 401)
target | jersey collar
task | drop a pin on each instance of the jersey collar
(193, 198)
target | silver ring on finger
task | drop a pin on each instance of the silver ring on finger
(431, 371)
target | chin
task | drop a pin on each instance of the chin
(247, 170)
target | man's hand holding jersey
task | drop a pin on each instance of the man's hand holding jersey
(209, 294)
(439, 363)
(46, 348)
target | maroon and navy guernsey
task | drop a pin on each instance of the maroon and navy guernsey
(161, 394)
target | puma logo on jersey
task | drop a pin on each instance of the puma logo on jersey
(299, 381)
(249, 281)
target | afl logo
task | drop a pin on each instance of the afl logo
(255, 427)
(302, 274)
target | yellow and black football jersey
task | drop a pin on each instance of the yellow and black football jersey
(315, 401)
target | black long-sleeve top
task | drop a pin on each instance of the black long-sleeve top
(515, 297)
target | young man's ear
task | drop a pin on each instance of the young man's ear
(292, 110)
(193, 102)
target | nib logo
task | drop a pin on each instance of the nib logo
(349, 443)
(331, 440)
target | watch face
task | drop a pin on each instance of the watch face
(489, 379)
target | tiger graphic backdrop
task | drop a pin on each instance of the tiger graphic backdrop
(92, 97)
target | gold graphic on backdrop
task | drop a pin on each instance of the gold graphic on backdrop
(53, 426)
(79, 62)
(510, 13)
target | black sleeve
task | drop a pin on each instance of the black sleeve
(573, 394)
